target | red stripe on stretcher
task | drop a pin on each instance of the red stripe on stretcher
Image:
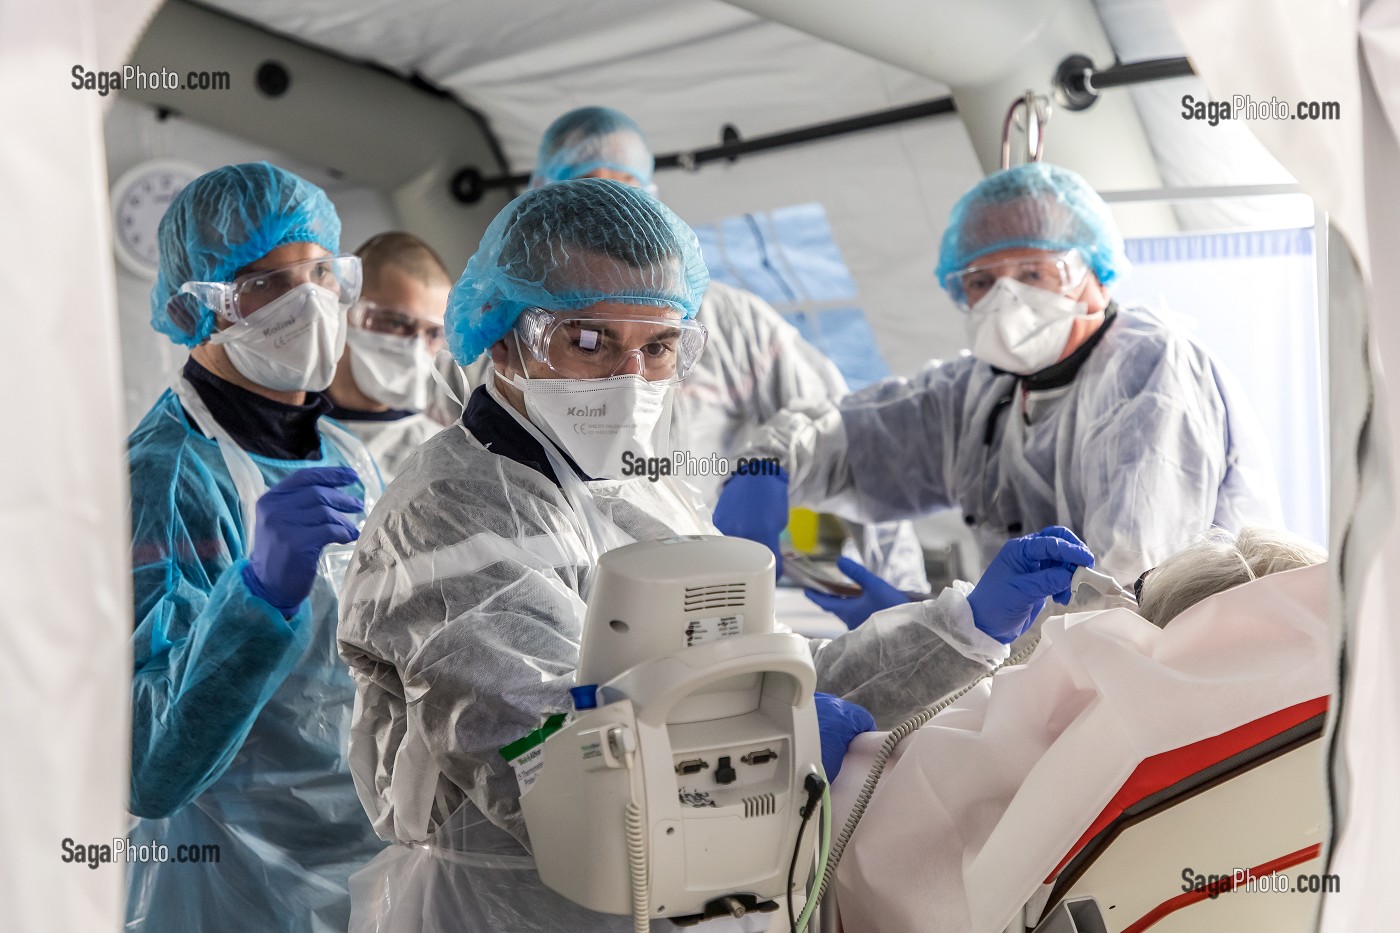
(1192, 897)
(1162, 771)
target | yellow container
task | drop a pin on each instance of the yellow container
(803, 528)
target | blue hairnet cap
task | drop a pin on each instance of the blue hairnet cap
(1034, 205)
(567, 247)
(224, 220)
(590, 138)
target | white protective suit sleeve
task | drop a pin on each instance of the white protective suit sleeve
(754, 366)
(1138, 454)
(461, 619)
(932, 643)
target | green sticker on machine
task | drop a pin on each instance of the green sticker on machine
(535, 739)
(526, 754)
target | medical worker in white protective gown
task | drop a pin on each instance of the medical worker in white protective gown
(244, 499)
(1071, 410)
(382, 386)
(755, 363)
(465, 602)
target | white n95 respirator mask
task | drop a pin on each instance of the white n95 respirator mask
(595, 421)
(1021, 328)
(291, 344)
(392, 370)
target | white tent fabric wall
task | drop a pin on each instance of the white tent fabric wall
(67, 611)
(134, 134)
(1192, 153)
(682, 68)
(1251, 298)
(789, 258)
(1349, 53)
(890, 174)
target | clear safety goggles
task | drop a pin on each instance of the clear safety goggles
(1061, 273)
(584, 346)
(1137, 586)
(248, 293)
(380, 319)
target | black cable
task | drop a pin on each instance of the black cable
(792, 873)
(732, 149)
(814, 787)
(1156, 69)
(1078, 83)
(934, 107)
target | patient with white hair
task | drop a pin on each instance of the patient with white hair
(977, 811)
(1219, 562)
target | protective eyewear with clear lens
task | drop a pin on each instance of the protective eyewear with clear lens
(581, 346)
(367, 315)
(1055, 272)
(248, 293)
(1137, 585)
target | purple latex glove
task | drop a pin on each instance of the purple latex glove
(875, 595)
(296, 519)
(1026, 571)
(839, 721)
(755, 507)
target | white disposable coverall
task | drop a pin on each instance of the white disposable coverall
(392, 442)
(461, 618)
(1144, 449)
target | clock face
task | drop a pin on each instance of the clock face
(139, 200)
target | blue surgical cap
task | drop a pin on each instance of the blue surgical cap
(590, 138)
(226, 219)
(567, 247)
(1034, 205)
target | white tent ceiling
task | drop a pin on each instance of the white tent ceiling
(686, 68)
(681, 67)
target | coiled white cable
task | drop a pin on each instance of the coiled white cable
(637, 865)
(877, 768)
(637, 855)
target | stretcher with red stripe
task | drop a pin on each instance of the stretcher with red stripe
(1252, 798)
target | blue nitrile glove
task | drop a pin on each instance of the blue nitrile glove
(1024, 572)
(755, 507)
(875, 595)
(295, 520)
(839, 721)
